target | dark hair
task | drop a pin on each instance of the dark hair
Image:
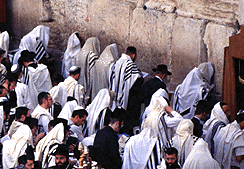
(42, 96)
(26, 56)
(240, 117)
(81, 113)
(203, 106)
(31, 122)
(171, 151)
(70, 98)
(117, 115)
(58, 78)
(130, 50)
(51, 124)
(20, 111)
(1, 89)
(75, 72)
(22, 159)
(62, 149)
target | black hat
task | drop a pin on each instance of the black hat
(62, 149)
(31, 121)
(162, 68)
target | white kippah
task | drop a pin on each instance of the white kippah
(14, 68)
(73, 68)
(78, 108)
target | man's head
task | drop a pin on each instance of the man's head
(117, 119)
(45, 100)
(203, 110)
(131, 51)
(62, 156)
(27, 161)
(161, 71)
(26, 57)
(33, 124)
(56, 79)
(240, 120)
(21, 113)
(225, 108)
(16, 71)
(79, 116)
(171, 157)
(74, 72)
(3, 91)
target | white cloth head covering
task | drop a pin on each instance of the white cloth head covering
(200, 157)
(73, 48)
(99, 78)
(4, 42)
(191, 90)
(14, 148)
(102, 101)
(207, 71)
(56, 135)
(29, 42)
(68, 109)
(59, 94)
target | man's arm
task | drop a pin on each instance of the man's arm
(172, 121)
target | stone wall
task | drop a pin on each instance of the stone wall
(179, 33)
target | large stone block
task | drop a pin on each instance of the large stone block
(188, 50)
(216, 39)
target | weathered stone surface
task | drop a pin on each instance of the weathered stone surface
(187, 47)
(216, 39)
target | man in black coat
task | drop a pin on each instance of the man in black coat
(106, 142)
(151, 86)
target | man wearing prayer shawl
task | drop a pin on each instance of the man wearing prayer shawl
(3, 111)
(99, 78)
(68, 109)
(99, 111)
(229, 144)
(14, 148)
(194, 87)
(200, 157)
(36, 76)
(21, 90)
(73, 88)
(184, 139)
(4, 43)
(85, 59)
(35, 41)
(74, 46)
(47, 145)
(218, 118)
(41, 111)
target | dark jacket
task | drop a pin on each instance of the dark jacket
(107, 146)
(149, 88)
(197, 131)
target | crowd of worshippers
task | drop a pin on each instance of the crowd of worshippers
(102, 101)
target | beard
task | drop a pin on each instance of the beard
(62, 165)
(174, 165)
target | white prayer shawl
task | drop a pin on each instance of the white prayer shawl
(225, 141)
(39, 81)
(85, 59)
(13, 128)
(74, 89)
(200, 157)
(59, 94)
(184, 140)
(4, 42)
(138, 149)
(101, 102)
(191, 90)
(99, 78)
(88, 141)
(2, 99)
(23, 96)
(73, 47)
(14, 148)
(56, 135)
(68, 109)
(30, 41)
(122, 76)
(217, 114)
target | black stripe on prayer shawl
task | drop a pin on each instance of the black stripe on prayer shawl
(130, 69)
(112, 76)
(26, 76)
(92, 59)
(40, 51)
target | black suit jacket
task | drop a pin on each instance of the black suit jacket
(197, 131)
(149, 88)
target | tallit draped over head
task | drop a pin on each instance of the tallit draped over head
(56, 135)
(73, 48)
(68, 109)
(217, 114)
(200, 157)
(4, 42)
(59, 94)
(14, 148)
(32, 39)
(100, 104)
(86, 60)
(184, 140)
(193, 88)
(99, 78)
